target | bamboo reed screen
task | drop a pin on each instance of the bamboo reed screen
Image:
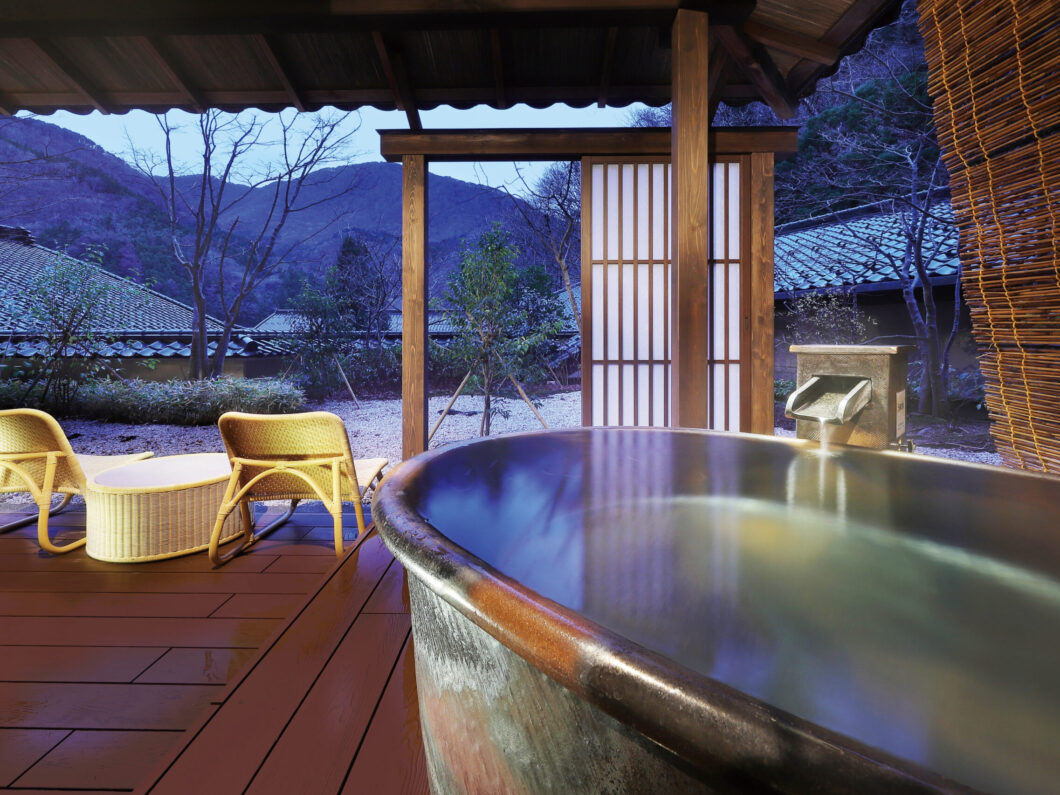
(626, 293)
(993, 68)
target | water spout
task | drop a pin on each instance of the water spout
(834, 399)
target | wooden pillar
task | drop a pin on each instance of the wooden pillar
(760, 262)
(690, 208)
(413, 305)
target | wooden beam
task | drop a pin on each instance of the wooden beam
(160, 53)
(860, 17)
(573, 144)
(413, 305)
(49, 53)
(498, 68)
(760, 262)
(759, 67)
(240, 17)
(606, 64)
(690, 216)
(792, 43)
(400, 85)
(269, 51)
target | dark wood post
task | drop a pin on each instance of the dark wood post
(413, 305)
(690, 234)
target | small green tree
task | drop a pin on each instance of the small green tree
(503, 317)
(345, 313)
(65, 308)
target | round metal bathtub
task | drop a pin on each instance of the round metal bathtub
(623, 610)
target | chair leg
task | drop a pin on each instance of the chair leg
(52, 511)
(336, 517)
(44, 503)
(278, 521)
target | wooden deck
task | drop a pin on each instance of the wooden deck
(285, 671)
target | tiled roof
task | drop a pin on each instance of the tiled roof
(152, 346)
(135, 321)
(857, 248)
(132, 308)
(284, 321)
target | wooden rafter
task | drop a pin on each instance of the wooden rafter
(792, 43)
(159, 52)
(282, 74)
(606, 64)
(497, 53)
(763, 73)
(400, 85)
(54, 57)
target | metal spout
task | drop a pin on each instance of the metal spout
(835, 399)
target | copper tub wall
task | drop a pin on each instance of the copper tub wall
(518, 693)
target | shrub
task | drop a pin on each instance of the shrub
(782, 387)
(186, 402)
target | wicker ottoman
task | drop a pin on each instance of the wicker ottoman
(157, 508)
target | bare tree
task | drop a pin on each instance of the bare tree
(208, 240)
(551, 211)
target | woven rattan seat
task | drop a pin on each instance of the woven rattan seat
(290, 457)
(36, 458)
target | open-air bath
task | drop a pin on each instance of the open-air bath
(652, 610)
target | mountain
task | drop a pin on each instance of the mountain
(70, 193)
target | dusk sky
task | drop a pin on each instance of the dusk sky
(110, 132)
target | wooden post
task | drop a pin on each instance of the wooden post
(761, 309)
(413, 305)
(690, 208)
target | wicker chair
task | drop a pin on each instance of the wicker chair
(290, 457)
(36, 458)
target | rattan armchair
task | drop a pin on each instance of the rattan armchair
(290, 457)
(36, 458)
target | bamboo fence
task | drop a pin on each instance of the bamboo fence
(994, 69)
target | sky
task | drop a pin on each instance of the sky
(113, 132)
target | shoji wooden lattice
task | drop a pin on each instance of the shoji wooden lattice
(626, 293)
(995, 77)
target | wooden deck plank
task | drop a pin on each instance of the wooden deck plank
(197, 666)
(392, 595)
(143, 605)
(285, 546)
(99, 759)
(75, 664)
(21, 748)
(120, 581)
(48, 705)
(391, 757)
(198, 562)
(79, 631)
(302, 564)
(263, 701)
(317, 748)
(259, 605)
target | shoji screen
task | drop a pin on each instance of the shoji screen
(728, 344)
(626, 293)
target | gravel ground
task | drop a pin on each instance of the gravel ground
(374, 429)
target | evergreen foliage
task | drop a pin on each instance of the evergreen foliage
(504, 318)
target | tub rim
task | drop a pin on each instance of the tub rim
(705, 722)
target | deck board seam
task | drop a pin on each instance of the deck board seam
(375, 709)
(195, 731)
